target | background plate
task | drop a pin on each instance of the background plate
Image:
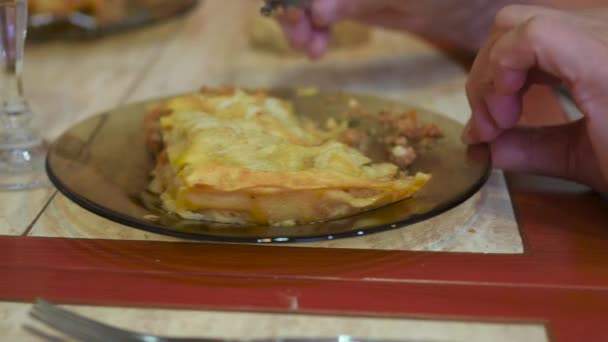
(103, 165)
(138, 13)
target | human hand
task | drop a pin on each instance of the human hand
(462, 23)
(531, 45)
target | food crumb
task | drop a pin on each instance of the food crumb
(151, 217)
(331, 123)
(403, 156)
(406, 138)
(353, 137)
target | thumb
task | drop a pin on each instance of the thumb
(559, 151)
(327, 12)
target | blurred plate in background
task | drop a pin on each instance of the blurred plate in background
(93, 22)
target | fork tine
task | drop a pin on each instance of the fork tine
(41, 334)
(51, 309)
(270, 6)
(67, 327)
(65, 320)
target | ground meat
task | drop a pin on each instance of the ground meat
(385, 118)
(403, 156)
(353, 137)
(407, 127)
(154, 139)
(431, 131)
(404, 136)
(402, 141)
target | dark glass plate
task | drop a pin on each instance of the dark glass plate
(103, 165)
(138, 13)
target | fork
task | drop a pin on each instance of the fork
(270, 6)
(87, 330)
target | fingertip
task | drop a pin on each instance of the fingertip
(505, 110)
(291, 37)
(325, 12)
(318, 45)
(299, 34)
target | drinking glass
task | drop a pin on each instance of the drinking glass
(22, 150)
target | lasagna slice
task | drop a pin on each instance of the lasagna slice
(228, 156)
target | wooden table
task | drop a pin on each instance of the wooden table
(539, 275)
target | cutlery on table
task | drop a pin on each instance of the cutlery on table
(83, 329)
(270, 6)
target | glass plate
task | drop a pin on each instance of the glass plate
(103, 165)
(138, 13)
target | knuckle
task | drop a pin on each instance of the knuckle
(507, 17)
(535, 29)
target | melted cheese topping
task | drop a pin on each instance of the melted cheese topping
(246, 158)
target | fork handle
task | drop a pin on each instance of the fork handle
(291, 339)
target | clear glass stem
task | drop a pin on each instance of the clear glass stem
(22, 151)
(15, 115)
